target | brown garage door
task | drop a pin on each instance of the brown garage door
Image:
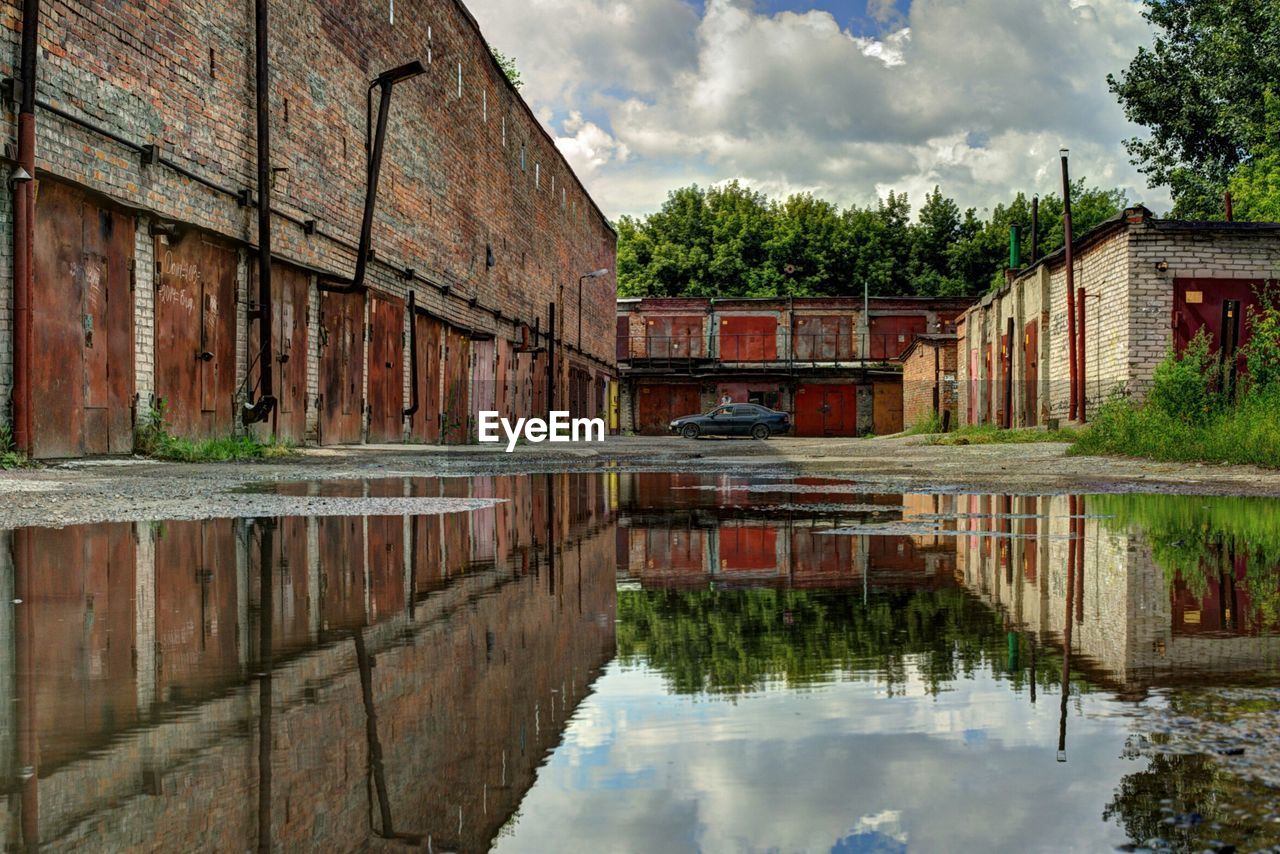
(455, 406)
(341, 367)
(657, 405)
(886, 413)
(425, 424)
(386, 368)
(289, 287)
(82, 317)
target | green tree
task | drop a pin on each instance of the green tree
(508, 66)
(1199, 89)
(1255, 185)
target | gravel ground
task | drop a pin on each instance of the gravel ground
(127, 489)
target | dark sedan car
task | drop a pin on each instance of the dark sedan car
(734, 419)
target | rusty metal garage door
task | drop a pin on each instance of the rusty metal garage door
(386, 368)
(289, 293)
(341, 367)
(82, 315)
(425, 424)
(195, 333)
(657, 405)
(455, 407)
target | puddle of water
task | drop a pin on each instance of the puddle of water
(650, 662)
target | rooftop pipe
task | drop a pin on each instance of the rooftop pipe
(261, 410)
(1071, 287)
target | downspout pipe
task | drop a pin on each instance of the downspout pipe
(266, 403)
(24, 213)
(1072, 349)
(413, 356)
(374, 145)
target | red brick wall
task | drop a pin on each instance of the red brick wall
(180, 74)
(919, 381)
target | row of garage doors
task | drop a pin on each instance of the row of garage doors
(818, 409)
(84, 389)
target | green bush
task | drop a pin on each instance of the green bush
(10, 456)
(1183, 386)
(154, 440)
(1262, 353)
(1247, 434)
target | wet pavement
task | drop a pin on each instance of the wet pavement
(646, 661)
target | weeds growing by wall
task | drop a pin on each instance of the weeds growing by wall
(1190, 413)
(154, 440)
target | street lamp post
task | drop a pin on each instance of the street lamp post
(594, 274)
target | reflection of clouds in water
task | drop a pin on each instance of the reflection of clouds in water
(843, 765)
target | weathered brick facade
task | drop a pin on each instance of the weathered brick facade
(1130, 270)
(469, 173)
(929, 379)
(834, 366)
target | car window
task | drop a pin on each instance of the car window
(745, 410)
(723, 410)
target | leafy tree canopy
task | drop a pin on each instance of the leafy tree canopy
(732, 241)
(1201, 89)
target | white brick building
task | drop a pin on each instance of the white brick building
(1148, 283)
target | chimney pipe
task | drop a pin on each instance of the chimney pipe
(1071, 289)
(1015, 247)
(1226, 203)
(1035, 229)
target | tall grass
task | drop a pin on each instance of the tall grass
(1189, 414)
(154, 440)
(10, 456)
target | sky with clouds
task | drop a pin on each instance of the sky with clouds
(847, 100)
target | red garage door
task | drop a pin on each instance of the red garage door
(826, 410)
(656, 405)
(748, 339)
(891, 336)
(1197, 303)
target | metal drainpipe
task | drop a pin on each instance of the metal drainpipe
(266, 362)
(1071, 293)
(551, 359)
(413, 356)
(1035, 229)
(24, 213)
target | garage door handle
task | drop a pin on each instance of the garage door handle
(204, 356)
(282, 358)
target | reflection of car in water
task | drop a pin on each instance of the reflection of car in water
(734, 419)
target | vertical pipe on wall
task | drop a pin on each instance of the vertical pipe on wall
(552, 367)
(1071, 290)
(263, 82)
(1035, 229)
(1226, 204)
(1080, 378)
(24, 212)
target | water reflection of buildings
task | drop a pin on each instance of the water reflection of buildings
(688, 531)
(1129, 623)
(417, 669)
(1057, 566)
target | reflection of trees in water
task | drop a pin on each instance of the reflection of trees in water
(1196, 537)
(1197, 794)
(735, 641)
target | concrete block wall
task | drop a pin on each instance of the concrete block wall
(468, 169)
(1242, 255)
(1128, 306)
(929, 365)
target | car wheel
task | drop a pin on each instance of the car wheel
(760, 431)
(690, 431)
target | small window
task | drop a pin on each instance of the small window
(459, 79)
(537, 174)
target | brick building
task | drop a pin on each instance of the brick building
(457, 644)
(143, 280)
(929, 379)
(836, 368)
(1147, 284)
